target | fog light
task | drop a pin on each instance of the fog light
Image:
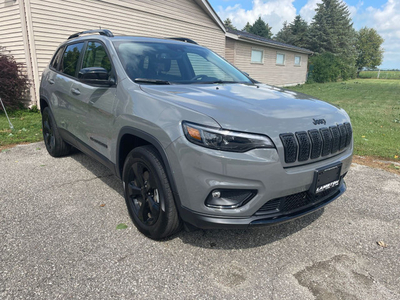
(216, 194)
(229, 198)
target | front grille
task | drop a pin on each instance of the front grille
(335, 138)
(327, 141)
(290, 146)
(349, 133)
(303, 146)
(316, 143)
(343, 136)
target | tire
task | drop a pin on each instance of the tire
(55, 145)
(148, 194)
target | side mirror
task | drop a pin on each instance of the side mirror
(95, 76)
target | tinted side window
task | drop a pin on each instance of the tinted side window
(71, 58)
(96, 56)
(55, 62)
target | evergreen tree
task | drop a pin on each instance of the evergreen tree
(299, 32)
(294, 33)
(228, 24)
(247, 28)
(261, 28)
(285, 34)
(332, 30)
(369, 51)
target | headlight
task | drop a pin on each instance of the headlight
(224, 140)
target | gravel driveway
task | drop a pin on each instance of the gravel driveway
(59, 241)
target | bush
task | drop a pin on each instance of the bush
(327, 67)
(14, 84)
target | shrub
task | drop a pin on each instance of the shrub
(327, 67)
(14, 84)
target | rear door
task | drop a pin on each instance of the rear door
(96, 104)
(64, 105)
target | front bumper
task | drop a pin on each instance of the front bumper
(215, 222)
(198, 171)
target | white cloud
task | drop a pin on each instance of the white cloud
(307, 12)
(386, 20)
(273, 12)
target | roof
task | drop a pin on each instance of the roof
(252, 38)
(206, 6)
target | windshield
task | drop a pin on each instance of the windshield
(183, 63)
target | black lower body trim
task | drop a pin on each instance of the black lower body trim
(77, 143)
(215, 222)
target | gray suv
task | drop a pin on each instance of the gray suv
(195, 141)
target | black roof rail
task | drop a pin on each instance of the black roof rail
(105, 32)
(182, 39)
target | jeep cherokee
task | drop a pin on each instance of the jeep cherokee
(194, 140)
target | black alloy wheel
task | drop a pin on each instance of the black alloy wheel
(48, 132)
(148, 194)
(55, 145)
(143, 193)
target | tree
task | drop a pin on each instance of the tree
(332, 30)
(228, 24)
(285, 34)
(295, 33)
(247, 28)
(299, 32)
(261, 28)
(369, 50)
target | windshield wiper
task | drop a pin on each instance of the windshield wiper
(151, 81)
(216, 81)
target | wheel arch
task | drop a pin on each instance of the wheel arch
(130, 138)
(43, 103)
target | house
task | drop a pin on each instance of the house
(265, 60)
(32, 29)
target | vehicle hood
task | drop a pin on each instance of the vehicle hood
(251, 108)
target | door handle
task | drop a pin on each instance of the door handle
(75, 91)
(51, 81)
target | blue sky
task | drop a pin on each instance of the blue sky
(382, 15)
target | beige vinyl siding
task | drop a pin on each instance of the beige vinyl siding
(230, 51)
(54, 20)
(11, 35)
(269, 72)
(14, 38)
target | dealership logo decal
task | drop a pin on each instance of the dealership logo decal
(319, 122)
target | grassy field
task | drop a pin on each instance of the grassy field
(27, 128)
(382, 75)
(374, 109)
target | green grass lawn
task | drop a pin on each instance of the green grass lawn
(374, 109)
(382, 75)
(27, 128)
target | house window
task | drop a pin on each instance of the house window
(297, 60)
(257, 56)
(280, 59)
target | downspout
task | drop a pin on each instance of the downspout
(30, 50)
